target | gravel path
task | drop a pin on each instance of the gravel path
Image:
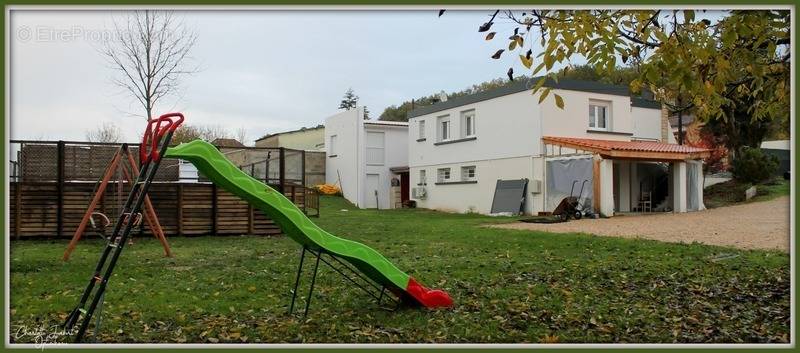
(757, 225)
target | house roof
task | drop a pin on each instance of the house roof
(630, 149)
(320, 126)
(527, 84)
(224, 142)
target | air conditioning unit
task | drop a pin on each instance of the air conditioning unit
(535, 186)
(419, 193)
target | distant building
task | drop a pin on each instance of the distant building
(225, 142)
(368, 159)
(306, 138)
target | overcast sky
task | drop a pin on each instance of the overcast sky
(268, 71)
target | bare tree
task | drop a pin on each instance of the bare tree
(241, 134)
(107, 132)
(208, 133)
(150, 52)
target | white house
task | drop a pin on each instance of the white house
(620, 145)
(366, 158)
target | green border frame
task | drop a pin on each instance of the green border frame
(389, 3)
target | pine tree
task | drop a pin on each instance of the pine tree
(349, 101)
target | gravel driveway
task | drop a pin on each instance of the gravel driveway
(756, 225)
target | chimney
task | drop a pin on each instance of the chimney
(665, 128)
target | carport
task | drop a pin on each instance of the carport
(638, 176)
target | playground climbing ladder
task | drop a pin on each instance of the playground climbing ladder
(154, 145)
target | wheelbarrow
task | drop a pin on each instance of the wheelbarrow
(570, 206)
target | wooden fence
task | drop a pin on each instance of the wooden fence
(54, 210)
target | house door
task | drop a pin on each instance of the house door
(405, 184)
(371, 191)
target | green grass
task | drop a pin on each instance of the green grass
(732, 192)
(508, 286)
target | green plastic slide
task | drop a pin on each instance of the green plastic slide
(294, 223)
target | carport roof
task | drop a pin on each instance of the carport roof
(646, 150)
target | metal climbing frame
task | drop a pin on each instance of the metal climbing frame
(373, 289)
(154, 145)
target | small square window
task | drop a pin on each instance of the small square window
(443, 175)
(468, 173)
(423, 178)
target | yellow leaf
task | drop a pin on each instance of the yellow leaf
(512, 45)
(525, 61)
(544, 95)
(559, 101)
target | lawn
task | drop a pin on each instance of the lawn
(509, 286)
(732, 192)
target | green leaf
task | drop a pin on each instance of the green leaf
(548, 61)
(512, 45)
(559, 101)
(688, 15)
(539, 84)
(538, 68)
(660, 35)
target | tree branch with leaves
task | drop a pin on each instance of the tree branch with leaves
(715, 67)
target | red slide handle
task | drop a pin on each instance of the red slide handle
(152, 136)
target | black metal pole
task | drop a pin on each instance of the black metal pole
(60, 175)
(282, 169)
(313, 280)
(297, 280)
(680, 127)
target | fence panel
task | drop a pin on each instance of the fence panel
(54, 181)
(183, 209)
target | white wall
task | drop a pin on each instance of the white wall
(506, 126)
(506, 139)
(475, 197)
(646, 123)
(573, 120)
(349, 157)
(395, 155)
(344, 161)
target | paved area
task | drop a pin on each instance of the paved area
(756, 225)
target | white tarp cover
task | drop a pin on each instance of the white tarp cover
(693, 171)
(561, 173)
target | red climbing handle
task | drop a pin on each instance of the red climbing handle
(148, 150)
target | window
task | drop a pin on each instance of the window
(423, 179)
(444, 128)
(332, 147)
(468, 173)
(443, 175)
(468, 123)
(598, 115)
(375, 150)
(421, 127)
